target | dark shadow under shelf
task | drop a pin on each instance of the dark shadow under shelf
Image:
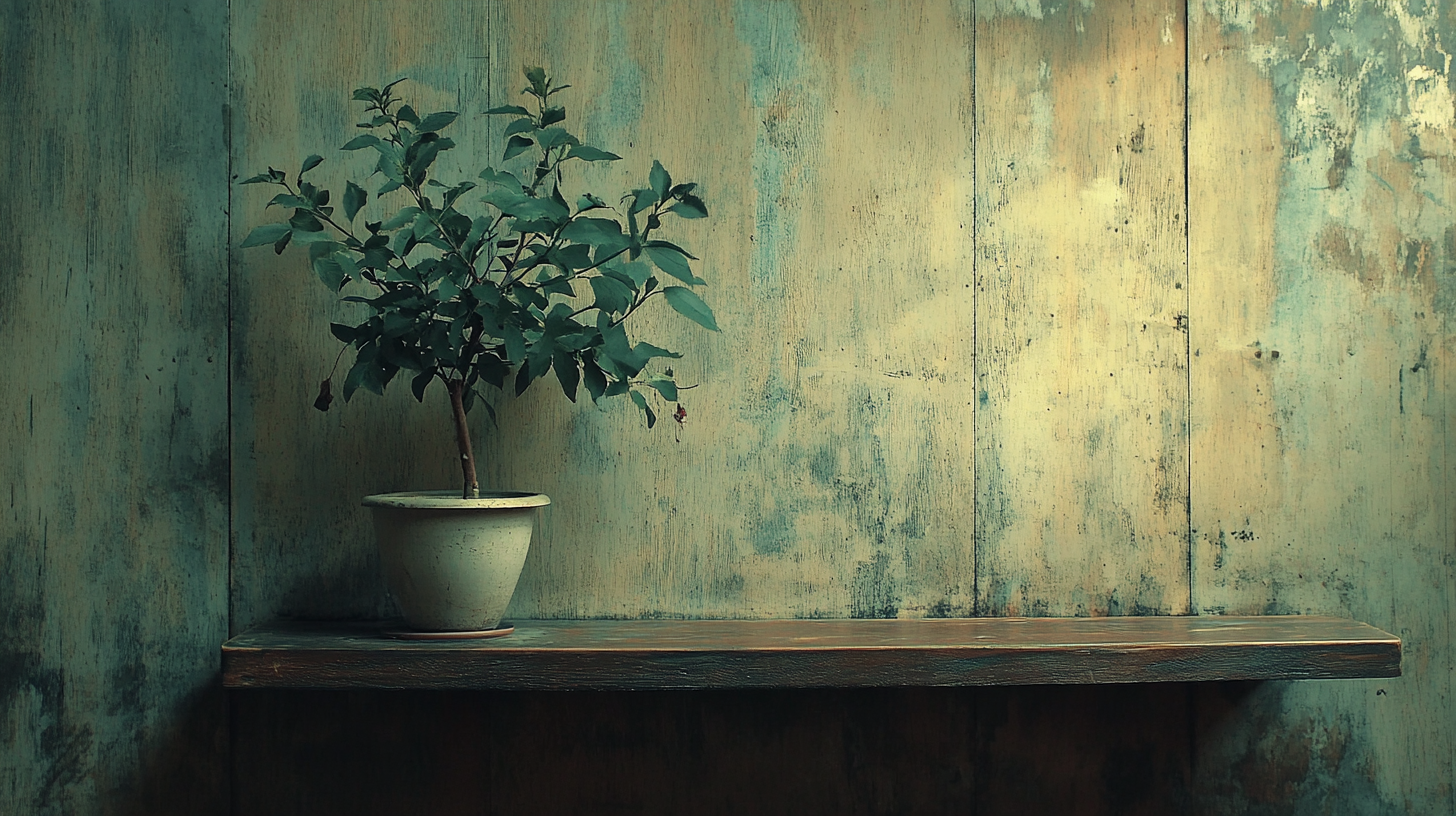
(698, 654)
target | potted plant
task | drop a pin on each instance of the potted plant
(523, 282)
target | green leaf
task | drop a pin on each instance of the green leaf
(515, 344)
(690, 207)
(436, 121)
(398, 323)
(537, 77)
(516, 146)
(672, 246)
(591, 154)
(360, 142)
(672, 261)
(567, 373)
(593, 231)
(571, 257)
(258, 179)
(642, 403)
(635, 271)
(512, 109)
(554, 137)
(619, 350)
(344, 334)
(593, 376)
(290, 201)
(538, 362)
(319, 249)
(611, 294)
(641, 199)
(523, 125)
(689, 305)
(354, 199)
(407, 114)
(448, 289)
(523, 206)
(420, 382)
(312, 237)
(552, 115)
(406, 215)
(282, 243)
(423, 154)
(659, 179)
(365, 373)
(329, 271)
(664, 385)
(265, 234)
(647, 351)
(304, 221)
(310, 163)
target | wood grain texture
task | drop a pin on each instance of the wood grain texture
(1081, 432)
(816, 654)
(113, 416)
(1321, 173)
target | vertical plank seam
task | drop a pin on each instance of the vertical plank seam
(229, 720)
(1191, 690)
(973, 750)
(228, 294)
(1188, 300)
(975, 323)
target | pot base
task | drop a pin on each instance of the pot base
(402, 633)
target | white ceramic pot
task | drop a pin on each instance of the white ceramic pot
(452, 563)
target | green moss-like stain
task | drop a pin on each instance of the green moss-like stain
(873, 594)
(784, 92)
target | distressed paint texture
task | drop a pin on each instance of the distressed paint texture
(113, 417)
(825, 468)
(1081, 437)
(1321, 182)
(953, 379)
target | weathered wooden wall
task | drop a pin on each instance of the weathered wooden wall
(113, 416)
(1322, 192)
(1029, 307)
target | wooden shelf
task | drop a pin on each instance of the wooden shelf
(610, 654)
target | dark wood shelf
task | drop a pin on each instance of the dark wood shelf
(612, 654)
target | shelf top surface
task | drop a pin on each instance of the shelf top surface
(643, 654)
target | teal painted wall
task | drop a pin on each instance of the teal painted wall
(113, 417)
(1029, 307)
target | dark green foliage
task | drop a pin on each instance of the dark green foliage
(492, 294)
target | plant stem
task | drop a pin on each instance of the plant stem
(471, 490)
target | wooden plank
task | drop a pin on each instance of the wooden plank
(816, 654)
(113, 416)
(1081, 364)
(1324, 480)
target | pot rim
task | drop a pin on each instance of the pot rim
(450, 500)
